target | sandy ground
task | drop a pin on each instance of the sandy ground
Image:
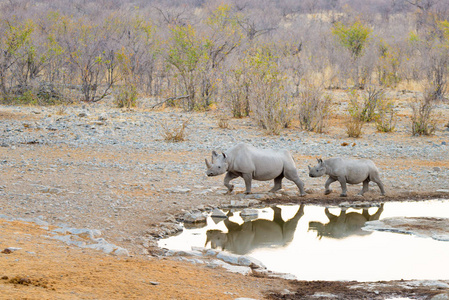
(128, 209)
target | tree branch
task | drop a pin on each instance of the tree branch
(170, 99)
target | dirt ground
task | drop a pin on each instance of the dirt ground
(101, 196)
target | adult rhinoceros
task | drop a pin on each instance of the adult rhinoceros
(250, 163)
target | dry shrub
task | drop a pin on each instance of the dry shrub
(174, 131)
(386, 117)
(126, 96)
(314, 108)
(354, 127)
(355, 121)
(223, 122)
(423, 117)
(375, 96)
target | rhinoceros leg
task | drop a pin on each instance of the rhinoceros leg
(229, 176)
(247, 177)
(277, 183)
(293, 176)
(375, 178)
(327, 189)
(365, 187)
(344, 189)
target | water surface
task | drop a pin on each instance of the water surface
(315, 243)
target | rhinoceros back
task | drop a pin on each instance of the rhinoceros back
(263, 164)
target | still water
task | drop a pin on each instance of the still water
(314, 243)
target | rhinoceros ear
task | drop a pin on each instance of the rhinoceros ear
(309, 167)
(207, 163)
(224, 155)
(214, 153)
(320, 161)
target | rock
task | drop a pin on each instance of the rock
(251, 262)
(212, 252)
(444, 296)
(238, 203)
(234, 269)
(229, 257)
(249, 212)
(195, 217)
(437, 169)
(82, 114)
(218, 213)
(177, 190)
(189, 253)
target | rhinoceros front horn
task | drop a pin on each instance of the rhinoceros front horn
(207, 163)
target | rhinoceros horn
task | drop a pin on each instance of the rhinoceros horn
(207, 163)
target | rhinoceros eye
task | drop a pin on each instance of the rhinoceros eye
(219, 167)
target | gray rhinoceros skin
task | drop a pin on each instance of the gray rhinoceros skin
(250, 163)
(346, 170)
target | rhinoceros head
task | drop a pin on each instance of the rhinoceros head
(218, 166)
(318, 170)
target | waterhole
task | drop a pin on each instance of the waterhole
(318, 243)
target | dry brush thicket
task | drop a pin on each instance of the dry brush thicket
(270, 60)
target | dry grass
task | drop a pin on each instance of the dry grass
(174, 131)
(223, 122)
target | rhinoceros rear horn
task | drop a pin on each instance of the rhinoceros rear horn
(207, 163)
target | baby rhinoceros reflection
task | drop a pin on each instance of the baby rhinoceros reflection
(346, 224)
(260, 233)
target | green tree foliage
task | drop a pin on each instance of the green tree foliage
(187, 54)
(352, 37)
(15, 46)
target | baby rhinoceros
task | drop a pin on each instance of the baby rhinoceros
(251, 163)
(344, 170)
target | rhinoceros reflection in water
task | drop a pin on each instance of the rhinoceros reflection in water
(261, 233)
(346, 224)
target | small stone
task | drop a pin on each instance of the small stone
(217, 213)
(154, 283)
(249, 212)
(437, 169)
